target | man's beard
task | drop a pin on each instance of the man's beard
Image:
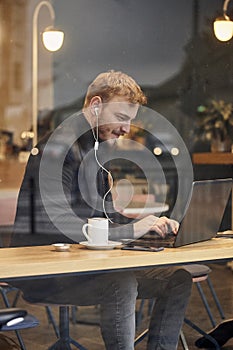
(112, 142)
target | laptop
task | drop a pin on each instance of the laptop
(202, 219)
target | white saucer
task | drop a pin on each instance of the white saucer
(110, 245)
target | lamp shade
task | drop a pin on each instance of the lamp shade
(223, 29)
(53, 39)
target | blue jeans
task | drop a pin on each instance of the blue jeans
(117, 293)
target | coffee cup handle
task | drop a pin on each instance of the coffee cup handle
(85, 232)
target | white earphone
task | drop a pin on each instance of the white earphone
(96, 109)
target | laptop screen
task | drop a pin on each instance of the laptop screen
(205, 211)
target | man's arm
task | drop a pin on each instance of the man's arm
(162, 226)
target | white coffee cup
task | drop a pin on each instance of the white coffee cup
(96, 231)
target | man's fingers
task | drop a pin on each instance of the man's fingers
(165, 225)
(174, 225)
(161, 229)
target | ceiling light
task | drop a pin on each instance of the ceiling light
(223, 26)
(53, 39)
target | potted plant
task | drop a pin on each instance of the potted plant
(215, 124)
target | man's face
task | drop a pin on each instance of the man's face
(115, 118)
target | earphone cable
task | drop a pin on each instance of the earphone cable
(96, 146)
(110, 186)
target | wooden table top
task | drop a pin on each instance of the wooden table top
(44, 260)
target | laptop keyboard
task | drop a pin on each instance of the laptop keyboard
(152, 239)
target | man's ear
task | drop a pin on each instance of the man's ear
(96, 105)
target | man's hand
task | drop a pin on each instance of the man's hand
(162, 226)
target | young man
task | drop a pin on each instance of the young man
(111, 103)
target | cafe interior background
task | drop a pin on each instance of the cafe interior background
(168, 46)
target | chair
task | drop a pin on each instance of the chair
(15, 319)
(62, 332)
(6, 288)
(11, 316)
(199, 274)
(29, 321)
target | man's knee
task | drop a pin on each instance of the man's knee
(181, 277)
(126, 280)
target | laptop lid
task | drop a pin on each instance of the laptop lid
(205, 211)
(202, 218)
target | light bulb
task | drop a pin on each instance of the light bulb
(223, 29)
(53, 39)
